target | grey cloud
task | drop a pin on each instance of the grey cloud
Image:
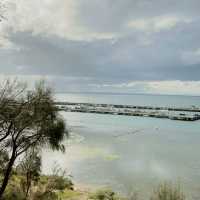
(102, 60)
(135, 55)
(109, 15)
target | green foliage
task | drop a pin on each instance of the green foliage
(47, 188)
(14, 192)
(30, 166)
(52, 187)
(60, 183)
(53, 131)
(168, 192)
(104, 195)
(47, 195)
(28, 119)
(59, 180)
(4, 158)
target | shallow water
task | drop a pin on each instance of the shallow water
(130, 153)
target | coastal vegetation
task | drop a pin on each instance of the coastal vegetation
(55, 187)
(28, 119)
(167, 191)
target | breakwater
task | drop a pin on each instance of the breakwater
(173, 113)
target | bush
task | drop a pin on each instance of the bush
(47, 195)
(50, 186)
(14, 192)
(60, 183)
(104, 195)
(168, 192)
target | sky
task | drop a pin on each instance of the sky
(126, 46)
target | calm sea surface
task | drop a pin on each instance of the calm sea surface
(130, 154)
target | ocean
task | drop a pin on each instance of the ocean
(129, 154)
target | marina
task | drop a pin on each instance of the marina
(172, 113)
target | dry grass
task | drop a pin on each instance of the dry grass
(168, 191)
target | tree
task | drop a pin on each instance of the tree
(4, 158)
(30, 167)
(9, 92)
(27, 119)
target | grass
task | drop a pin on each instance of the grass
(70, 194)
(168, 191)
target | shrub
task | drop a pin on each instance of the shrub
(13, 192)
(60, 183)
(168, 192)
(104, 195)
(47, 195)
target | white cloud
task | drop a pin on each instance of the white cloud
(47, 17)
(175, 87)
(156, 24)
(63, 19)
(156, 87)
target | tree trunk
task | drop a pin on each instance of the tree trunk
(7, 174)
(28, 182)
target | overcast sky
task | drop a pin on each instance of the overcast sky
(147, 46)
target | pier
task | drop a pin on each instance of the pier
(173, 113)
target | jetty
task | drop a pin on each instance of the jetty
(173, 113)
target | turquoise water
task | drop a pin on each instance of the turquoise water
(130, 154)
